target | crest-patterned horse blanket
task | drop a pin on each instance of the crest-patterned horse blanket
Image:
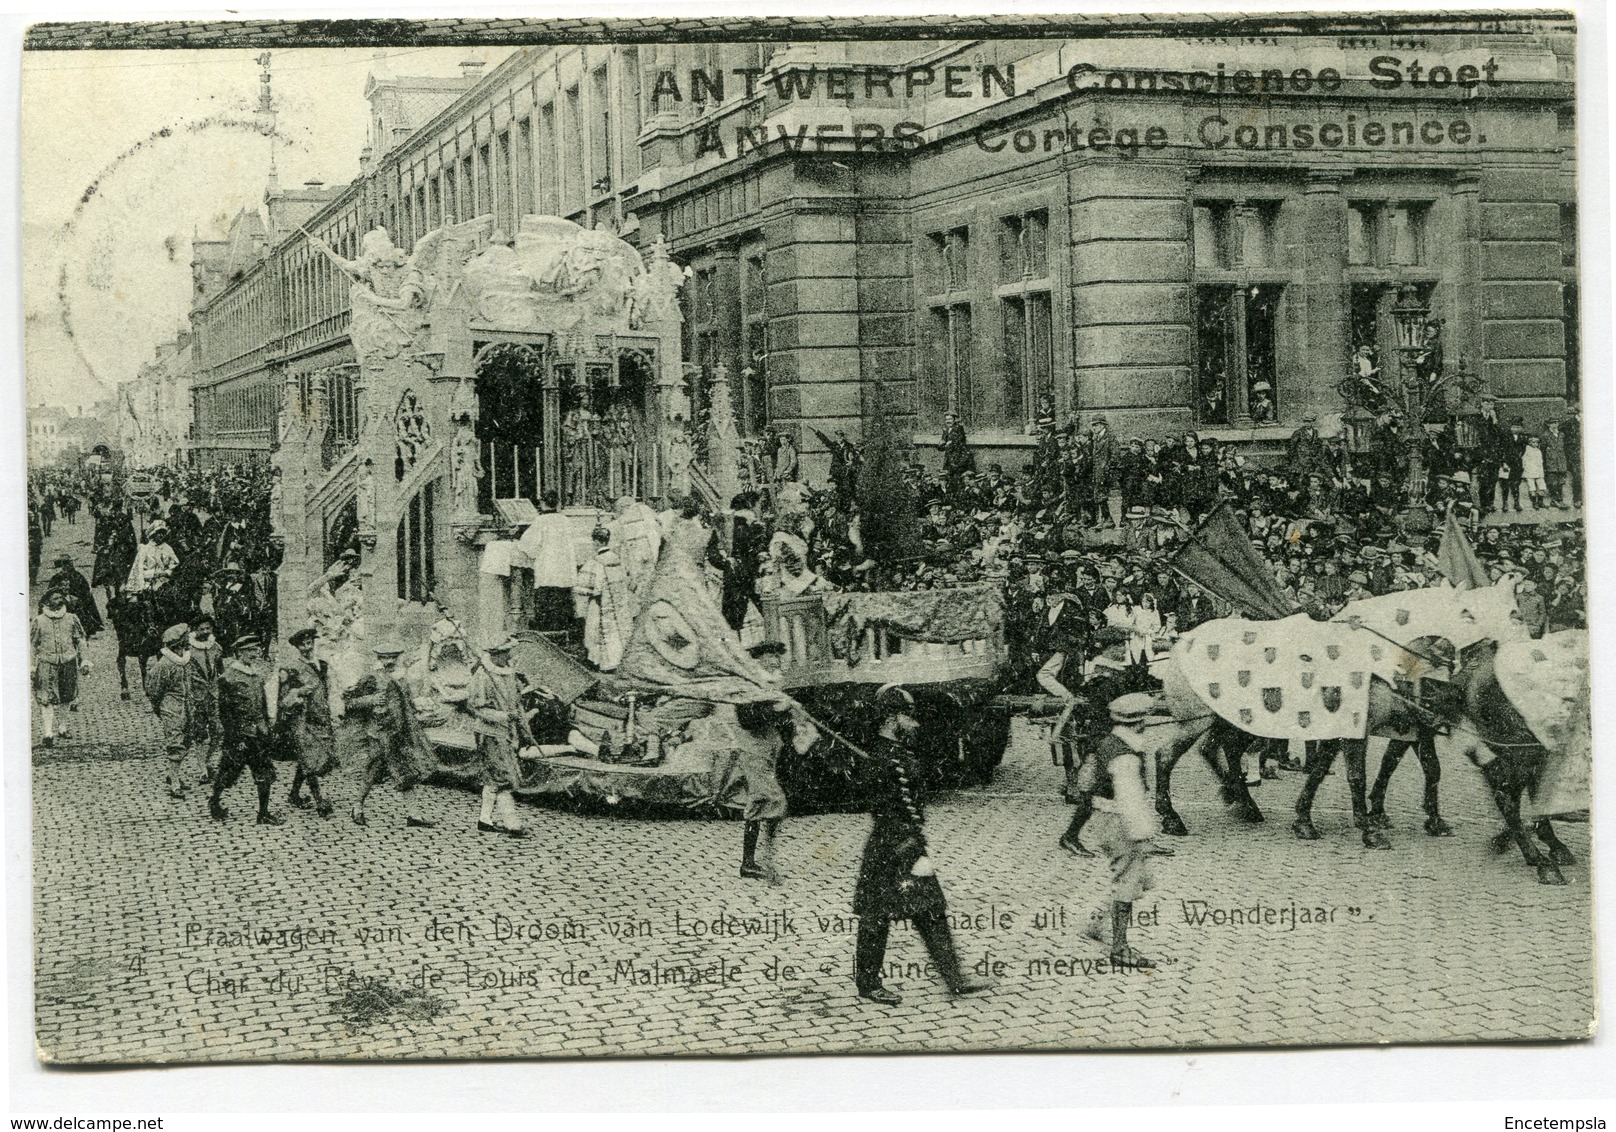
(1294, 678)
(1546, 681)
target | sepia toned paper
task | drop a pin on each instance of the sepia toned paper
(1174, 418)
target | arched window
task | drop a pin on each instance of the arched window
(417, 531)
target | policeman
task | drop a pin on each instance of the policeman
(395, 746)
(244, 720)
(896, 880)
(1124, 821)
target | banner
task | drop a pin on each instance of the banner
(1217, 556)
(1290, 679)
(1457, 560)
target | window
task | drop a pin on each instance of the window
(1023, 247)
(486, 197)
(1239, 266)
(1407, 235)
(1237, 337)
(754, 342)
(522, 169)
(600, 134)
(951, 337)
(547, 162)
(1387, 234)
(946, 384)
(504, 213)
(572, 172)
(1025, 312)
(633, 117)
(1028, 353)
(1360, 235)
(1568, 235)
(417, 562)
(1213, 250)
(451, 197)
(956, 258)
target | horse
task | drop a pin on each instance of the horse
(1377, 660)
(1524, 747)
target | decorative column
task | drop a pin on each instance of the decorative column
(293, 460)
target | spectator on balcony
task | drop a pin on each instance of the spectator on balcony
(957, 461)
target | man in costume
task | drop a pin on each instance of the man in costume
(764, 726)
(168, 687)
(1124, 822)
(305, 705)
(496, 700)
(57, 643)
(395, 746)
(244, 719)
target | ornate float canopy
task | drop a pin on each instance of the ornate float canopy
(554, 276)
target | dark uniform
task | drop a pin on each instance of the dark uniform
(887, 890)
(896, 880)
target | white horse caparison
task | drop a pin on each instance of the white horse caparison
(1421, 623)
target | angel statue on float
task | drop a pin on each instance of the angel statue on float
(386, 292)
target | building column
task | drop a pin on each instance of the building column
(1463, 335)
(727, 304)
(1239, 391)
(1324, 293)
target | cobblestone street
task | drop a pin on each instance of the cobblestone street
(164, 936)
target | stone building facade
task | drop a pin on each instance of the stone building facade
(1190, 232)
(1088, 220)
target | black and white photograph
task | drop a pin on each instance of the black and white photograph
(578, 538)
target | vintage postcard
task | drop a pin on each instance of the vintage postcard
(654, 537)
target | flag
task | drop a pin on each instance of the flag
(1217, 556)
(680, 643)
(1457, 561)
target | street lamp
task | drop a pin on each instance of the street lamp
(1359, 425)
(1414, 354)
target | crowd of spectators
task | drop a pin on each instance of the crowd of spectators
(1091, 520)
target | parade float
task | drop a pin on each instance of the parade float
(492, 370)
